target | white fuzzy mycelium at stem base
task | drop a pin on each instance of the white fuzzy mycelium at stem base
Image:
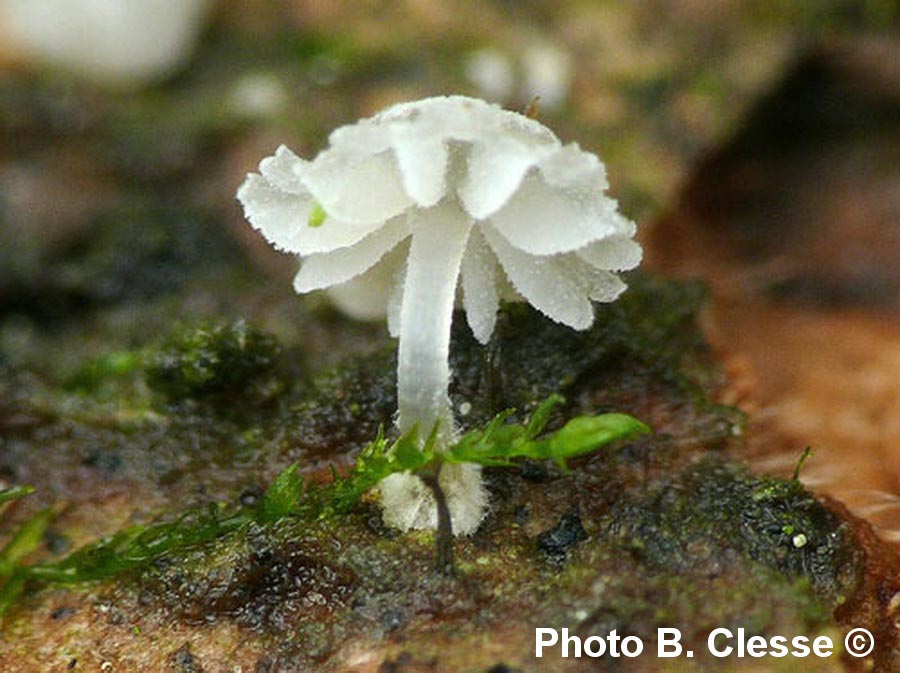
(426, 198)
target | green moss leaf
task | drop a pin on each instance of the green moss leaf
(406, 453)
(14, 493)
(499, 443)
(95, 373)
(585, 434)
(282, 496)
(11, 590)
(136, 546)
(541, 416)
(26, 540)
(13, 575)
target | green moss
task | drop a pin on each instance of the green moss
(289, 494)
(137, 546)
(211, 363)
(498, 444)
(13, 574)
(655, 323)
(658, 527)
(14, 493)
(607, 595)
(100, 374)
(713, 506)
(645, 345)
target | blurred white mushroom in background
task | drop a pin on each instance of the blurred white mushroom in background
(259, 95)
(540, 69)
(493, 74)
(548, 70)
(114, 42)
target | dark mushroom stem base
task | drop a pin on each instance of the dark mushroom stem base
(443, 534)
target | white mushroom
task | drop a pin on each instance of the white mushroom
(403, 205)
(541, 70)
(119, 42)
(492, 72)
(549, 70)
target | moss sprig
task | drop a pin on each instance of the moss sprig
(499, 443)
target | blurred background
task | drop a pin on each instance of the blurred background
(757, 144)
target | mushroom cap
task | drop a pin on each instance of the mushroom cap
(543, 229)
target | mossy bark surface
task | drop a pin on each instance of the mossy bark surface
(156, 367)
(666, 530)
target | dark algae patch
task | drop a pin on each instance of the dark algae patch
(649, 333)
(653, 530)
(556, 542)
(715, 508)
(266, 580)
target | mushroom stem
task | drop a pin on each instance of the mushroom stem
(443, 534)
(426, 313)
